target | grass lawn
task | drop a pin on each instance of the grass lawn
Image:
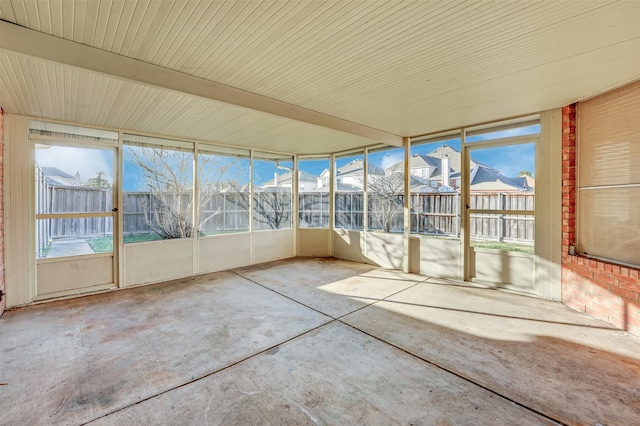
(139, 238)
(495, 245)
(222, 231)
(101, 245)
(105, 244)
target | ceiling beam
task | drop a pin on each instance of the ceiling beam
(28, 42)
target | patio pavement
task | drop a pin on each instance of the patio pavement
(314, 341)
(68, 247)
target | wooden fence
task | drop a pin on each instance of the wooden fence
(431, 214)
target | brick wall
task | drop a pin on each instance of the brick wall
(3, 301)
(601, 289)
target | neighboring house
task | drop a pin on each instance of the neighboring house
(350, 177)
(486, 179)
(306, 181)
(437, 171)
(56, 177)
(440, 171)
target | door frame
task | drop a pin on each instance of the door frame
(114, 147)
(468, 260)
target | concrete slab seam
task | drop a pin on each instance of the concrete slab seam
(341, 316)
(281, 294)
(460, 375)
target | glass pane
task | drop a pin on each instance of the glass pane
(157, 193)
(436, 214)
(385, 187)
(223, 193)
(73, 179)
(435, 188)
(313, 193)
(73, 236)
(499, 133)
(503, 178)
(502, 232)
(349, 195)
(272, 179)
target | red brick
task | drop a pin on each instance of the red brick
(626, 295)
(630, 284)
(633, 311)
(604, 279)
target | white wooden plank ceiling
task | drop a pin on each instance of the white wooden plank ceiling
(402, 67)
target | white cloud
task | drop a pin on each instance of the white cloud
(88, 162)
(389, 160)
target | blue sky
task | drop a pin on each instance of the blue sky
(509, 160)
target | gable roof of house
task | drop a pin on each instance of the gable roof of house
(285, 178)
(54, 171)
(356, 168)
(488, 179)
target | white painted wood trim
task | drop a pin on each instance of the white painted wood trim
(548, 208)
(407, 206)
(44, 46)
(19, 212)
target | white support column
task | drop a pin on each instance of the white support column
(464, 202)
(407, 205)
(548, 206)
(332, 202)
(195, 211)
(365, 202)
(252, 239)
(294, 204)
(118, 237)
(19, 212)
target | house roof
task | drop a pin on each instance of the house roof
(285, 178)
(55, 172)
(309, 77)
(433, 161)
(356, 168)
(57, 177)
(488, 179)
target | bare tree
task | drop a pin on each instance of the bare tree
(167, 175)
(385, 197)
(272, 207)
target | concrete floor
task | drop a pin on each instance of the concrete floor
(314, 341)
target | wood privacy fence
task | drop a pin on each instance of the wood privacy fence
(439, 214)
(431, 214)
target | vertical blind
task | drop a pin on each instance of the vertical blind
(609, 176)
